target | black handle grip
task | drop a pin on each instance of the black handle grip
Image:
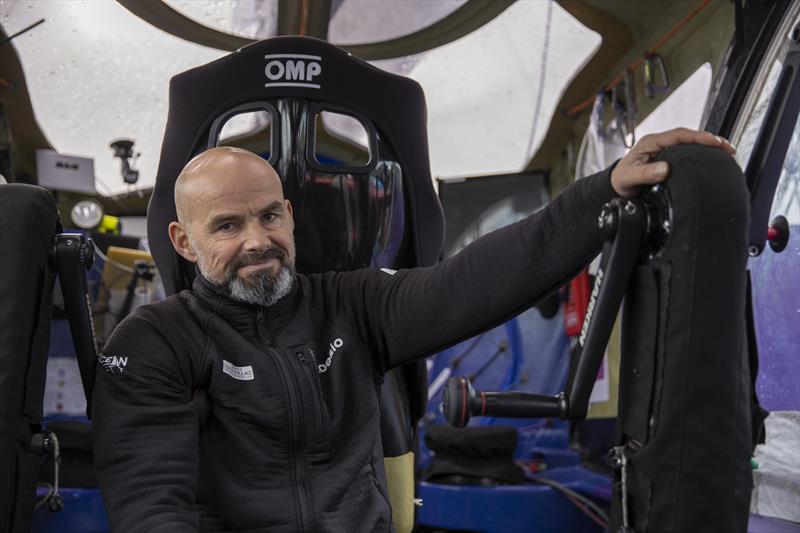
(461, 402)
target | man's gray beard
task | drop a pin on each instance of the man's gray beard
(261, 288)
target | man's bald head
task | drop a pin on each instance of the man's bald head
(210, 170)
(235, 224)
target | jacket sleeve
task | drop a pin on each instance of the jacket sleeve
(145, 430)
(416, 312)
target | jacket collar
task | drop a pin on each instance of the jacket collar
(244, 316)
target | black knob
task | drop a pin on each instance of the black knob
(86, 253)
(41, 443)
(778, 234)
(608, 220)
(458, 397)
(55, 503)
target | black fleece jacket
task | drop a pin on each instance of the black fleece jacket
(292, 440)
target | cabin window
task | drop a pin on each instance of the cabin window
(775, 283)
(251, 126)
(682, 108)
(754, 116)
(340, 142)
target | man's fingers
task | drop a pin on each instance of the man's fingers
(646, 174)
(631, 177)
(654, 172)
(637, 169)
(655, 143)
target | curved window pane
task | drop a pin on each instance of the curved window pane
(774, 275)
(250, 130)
(254, 19)
(359, 21)
(340, 140)
(491, 94)
(776, 296)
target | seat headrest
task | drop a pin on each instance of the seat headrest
(311, 70)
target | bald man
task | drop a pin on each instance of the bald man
(291, 365)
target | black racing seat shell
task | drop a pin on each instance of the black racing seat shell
(394, 104)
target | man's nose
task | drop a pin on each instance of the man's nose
(256, 238)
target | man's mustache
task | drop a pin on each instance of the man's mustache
(253, 259)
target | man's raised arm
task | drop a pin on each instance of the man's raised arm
(145, 430)
(416, 312)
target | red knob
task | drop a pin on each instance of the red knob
(773, 234)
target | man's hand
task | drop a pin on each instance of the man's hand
(637, 168)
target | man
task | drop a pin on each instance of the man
(291, 364)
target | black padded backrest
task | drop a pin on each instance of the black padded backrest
(28, 219)
(684, 397)
(318, 72)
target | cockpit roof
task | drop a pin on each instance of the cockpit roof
(498, 76)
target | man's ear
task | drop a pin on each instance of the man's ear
(289, 209)
(180, 241)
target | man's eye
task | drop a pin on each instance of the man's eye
(228, 226)
(271, 218)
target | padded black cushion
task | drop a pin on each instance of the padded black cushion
(684, 400)
(28, 221)
(480, 455)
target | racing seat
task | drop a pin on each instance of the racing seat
(362, 201)
(36, 250)
(686, 424)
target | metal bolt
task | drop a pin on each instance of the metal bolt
(630, 208)
(666, 225)
(753, 251)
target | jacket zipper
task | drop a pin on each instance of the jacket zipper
(309, 370)
(296, 448)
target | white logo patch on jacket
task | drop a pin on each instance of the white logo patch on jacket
(112, 364)
(332, 347)
(242, 373)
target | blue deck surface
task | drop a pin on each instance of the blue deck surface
(514, 508)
